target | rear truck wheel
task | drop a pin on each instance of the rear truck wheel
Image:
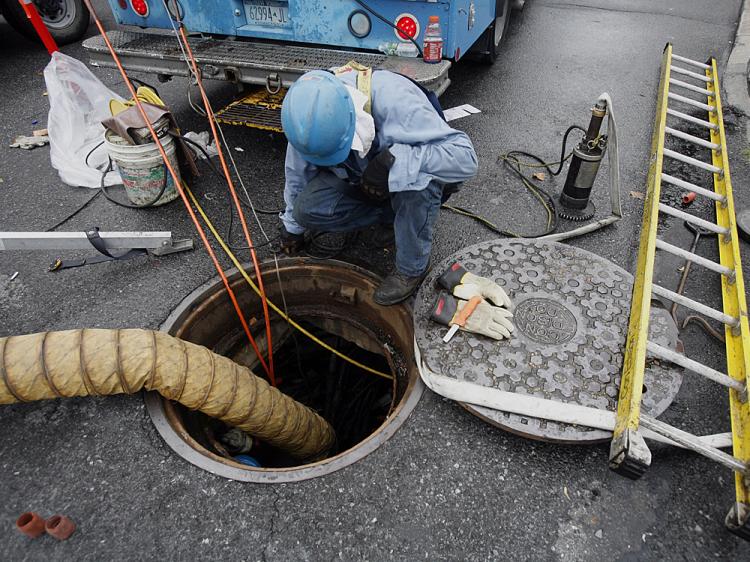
(67, 20)
(493, 37)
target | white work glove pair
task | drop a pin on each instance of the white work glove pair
(466, 285)
(491, 319)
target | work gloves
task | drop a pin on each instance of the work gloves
(289, 243)
(485, 319)
(465, 285)
(375, 176)
(476, 305)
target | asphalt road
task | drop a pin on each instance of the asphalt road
(446, 486)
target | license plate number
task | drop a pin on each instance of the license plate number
(267, 12)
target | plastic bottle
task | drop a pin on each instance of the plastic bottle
(433, 41)
(407, 49)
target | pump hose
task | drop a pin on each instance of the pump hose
(97, 362)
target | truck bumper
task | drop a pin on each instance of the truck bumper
(266, 64)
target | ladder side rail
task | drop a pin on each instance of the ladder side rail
(626, 453)
(737, 342)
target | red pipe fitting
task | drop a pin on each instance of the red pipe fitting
(30, 524)
(60, 527)
(688, 198)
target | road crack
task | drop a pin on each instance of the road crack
(275, 514)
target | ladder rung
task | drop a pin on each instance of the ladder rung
(691, 119)
(691, 61)
(695, 75)
(694, 366)
(690, 138)
(691, 87)
(695, 258)
(693, 161)
(696, 306)
(692, 187)
(690, 101)
(710, 226)
(693, 443)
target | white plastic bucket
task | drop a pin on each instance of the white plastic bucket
(142, 169)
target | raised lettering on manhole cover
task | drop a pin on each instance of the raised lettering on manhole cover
(545, 321)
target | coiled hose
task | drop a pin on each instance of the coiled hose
(96, 362)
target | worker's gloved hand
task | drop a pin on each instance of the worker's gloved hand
(487, 320)
(465, 285)
(289, 243)
(375, 176)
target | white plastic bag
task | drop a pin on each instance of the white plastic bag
(78, 103)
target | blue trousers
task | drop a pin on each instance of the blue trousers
(330, 204)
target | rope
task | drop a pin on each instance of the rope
(275, 308)
(178, 185)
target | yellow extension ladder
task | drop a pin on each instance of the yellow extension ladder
(629, 454)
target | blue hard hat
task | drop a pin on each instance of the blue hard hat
(318, 118)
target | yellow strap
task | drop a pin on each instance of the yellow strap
(364, 79)
(255, 288)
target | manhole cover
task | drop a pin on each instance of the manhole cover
(571, 310)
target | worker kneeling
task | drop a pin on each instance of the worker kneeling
(347, 168)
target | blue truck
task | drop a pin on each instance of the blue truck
(272, 42)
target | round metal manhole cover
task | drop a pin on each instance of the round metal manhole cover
(545, 321)
(571, 310)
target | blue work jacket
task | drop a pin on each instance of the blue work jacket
(425, 147)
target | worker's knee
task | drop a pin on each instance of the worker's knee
(316, 206)
(302, 214)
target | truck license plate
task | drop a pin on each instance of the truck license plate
(267, 12)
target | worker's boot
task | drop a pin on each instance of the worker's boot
(397, 288)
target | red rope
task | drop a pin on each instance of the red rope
(178, 185)
(212, 122)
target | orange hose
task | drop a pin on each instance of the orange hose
(212, 122)
(178, 186)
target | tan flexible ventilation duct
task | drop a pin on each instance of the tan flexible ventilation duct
(104, 362)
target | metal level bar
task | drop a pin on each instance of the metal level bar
(693, 161)
(691, 87)
(690, 441)
(735, 303)
(689, 101)
(79, 240)
(691, 119)
(679, 70)
(692, 187)
(695, 258)
(698, 368)
(686, 60)
(696, 306)
(691, 138)
(713, 227)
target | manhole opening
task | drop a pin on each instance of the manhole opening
(333, 301)
(355, 402)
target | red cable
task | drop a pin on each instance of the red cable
(178, 185)
(211, 121)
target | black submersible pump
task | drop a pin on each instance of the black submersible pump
(584, 165)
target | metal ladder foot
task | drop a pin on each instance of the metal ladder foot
(629, 455)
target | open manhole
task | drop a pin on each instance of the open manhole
(332, 300)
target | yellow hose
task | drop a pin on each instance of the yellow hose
(255, 288)
(104, 362)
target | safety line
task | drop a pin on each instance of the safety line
(211, 121)
(178, 185)
(276, 309)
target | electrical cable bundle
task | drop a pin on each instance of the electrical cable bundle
(512, 161)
